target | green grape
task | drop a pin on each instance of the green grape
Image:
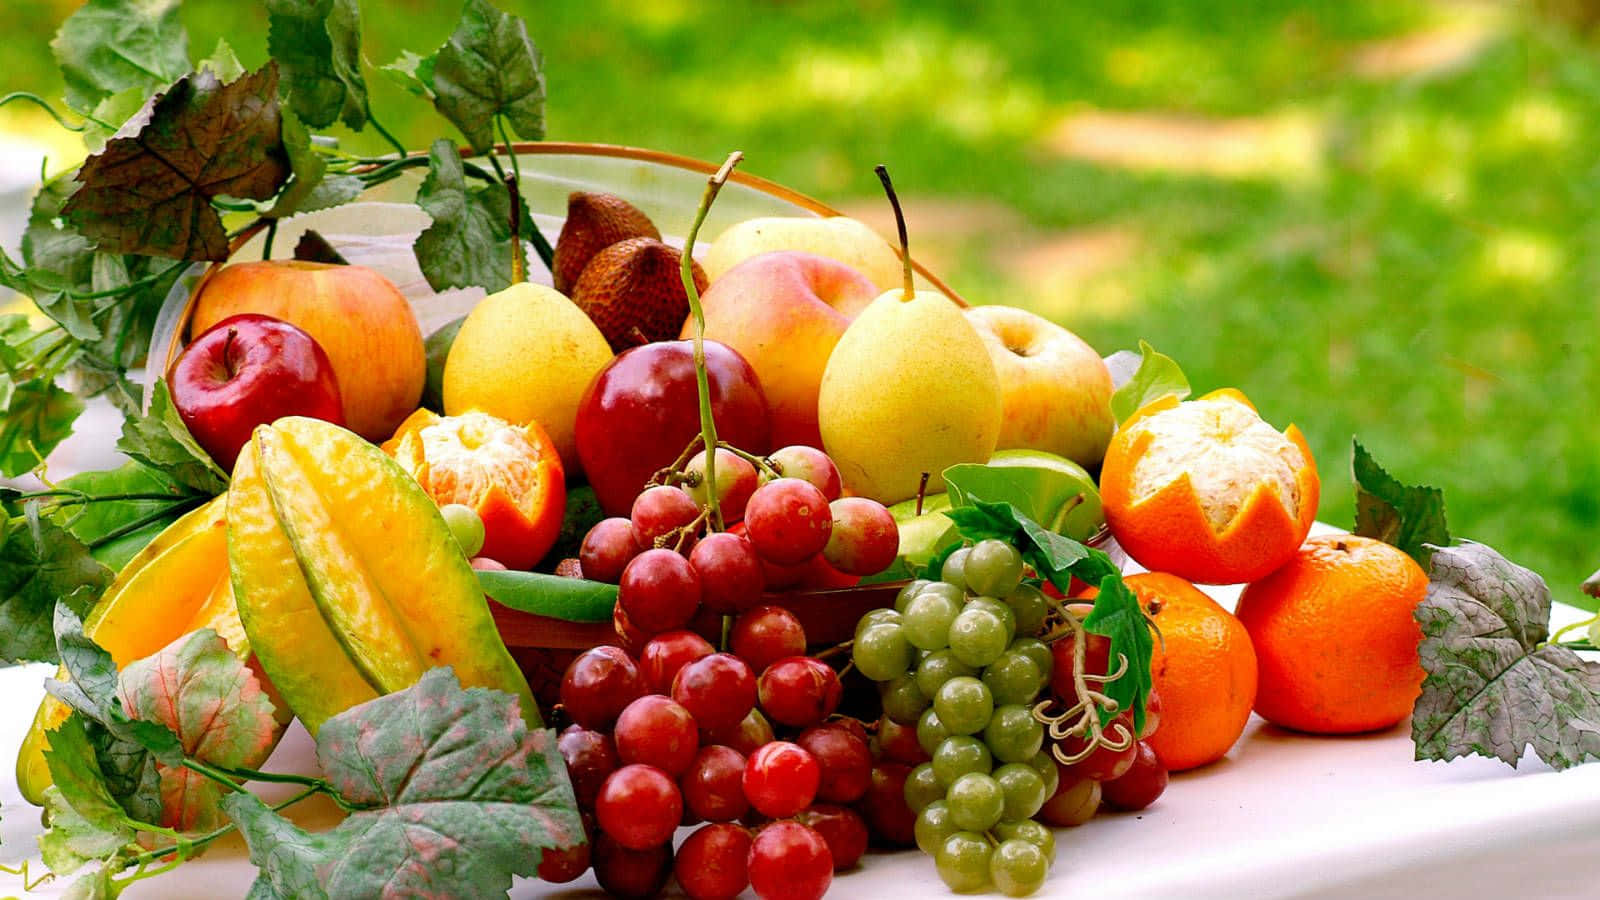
(1007, 617)
(1039, 652)
(1013, 735)
(934, 825)
(1013, 678)
(877, 617)
(954, 565)
(992, 567)
(923, 787)
(882, 653)
(963, 861)
(978, 637)
(1031, 608)
(927, 620)
(1028, 830)
(901, 699)
(956, 756)
(465, 526)
(1023, 790)
(938, 667)
(976, 801)
(964, 705)
(930, 731)
(912, 589)
(1018, 867)
(946, 589)
(1046, 766)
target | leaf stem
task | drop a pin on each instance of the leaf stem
(43, 104)
(547, 254)
(196, 843)
(131, 286)
(128, 528)
(266, 243)
(393, 141)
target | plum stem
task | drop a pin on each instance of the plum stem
(909, 289)
(708, 426)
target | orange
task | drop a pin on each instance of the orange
(1208, 491)
(511, 475)
(1203, 667)
(1335, 640)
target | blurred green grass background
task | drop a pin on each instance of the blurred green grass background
(1376, 217)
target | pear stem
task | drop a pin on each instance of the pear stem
(708, 426)
(900, 224)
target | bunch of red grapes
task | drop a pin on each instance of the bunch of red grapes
(745, 742)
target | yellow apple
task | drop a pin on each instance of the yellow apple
(1055, 389)
(838, 237)
(784, 312)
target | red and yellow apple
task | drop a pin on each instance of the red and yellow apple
(783, 312)
(839, 238)
(1055, 389)
(360, 319)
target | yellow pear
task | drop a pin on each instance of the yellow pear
(910, 388)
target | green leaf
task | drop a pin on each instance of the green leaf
(310, 188)
(97, 883)
(1493, 687)
(109, 46)
(55, 253)
(469, 242)
(1118, 616)
(317, 44)
(313, 247)
(490, 67)
(222, 62)
(1410, 518)
(451, 794)
(110, 114)
(93, 520)
(40, 564)
(73, 839)
(572, 599)
(199, 689)
(161, 441)
(36, 415)
(1058, 494)
(150, 190)
(1156, 377)
(413, 73)
(76, 776)
(92, 690)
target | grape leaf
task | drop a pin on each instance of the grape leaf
(313, 247)
(160, 440)
(36, 415)
(489, 67)
(469, 242)
(91, 689)
(85, 821)
(414, 73)
(56, 255)
(1157, 376)
(40, 563)
(317, 44)
(72, 839)
(452, 795)
(309, 188)
(1410, 518)
(1493, 687)
(94, 521)
(1060, 496)
(109, 46)
(210, 699)
(222, 62)
(149, 190)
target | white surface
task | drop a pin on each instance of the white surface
(1283, 815)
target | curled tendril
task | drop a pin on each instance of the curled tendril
(1082, 720)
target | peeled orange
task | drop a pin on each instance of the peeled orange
(511, 475)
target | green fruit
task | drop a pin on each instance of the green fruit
(934, 825)
(958, 755)
(976, 801)
(1018, 867)
(436, 349)
(923, 787)
(964, 705)
(993, 568)
(963, 861)
(465, 526)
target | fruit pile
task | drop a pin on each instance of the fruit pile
(966, 660)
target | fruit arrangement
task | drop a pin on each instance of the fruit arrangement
(844, 556)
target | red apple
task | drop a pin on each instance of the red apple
(783, 312)
(250, 370)
(642, 409)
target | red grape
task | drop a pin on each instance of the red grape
(843, 829)
(666, 653)
(864, 539)
(1152, 714)
(1096, 658)
(559, 865)
(788, 521)
(898, 743)
(780, 779)
(736, 481)
(846, 762)
(731, 578)
(746, 737)
(1075, 801)
(598, 685)
(660, 591)
(765, 635)
(658, 511)
(657, 730)
(1104, 764)
(639, 806)
(631, 874)
(713, 788)
(884, 806)
(854, 726)
(713, 863)
(607, 549)
(1138, 787)
(789, 861)
(590, 757)
(630, 636)
(799, 691)
(820, 575)
(718, 690)
(809, 464)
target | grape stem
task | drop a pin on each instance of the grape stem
(835, 650)
(685, 533)
(708, 426)
(1083, 719)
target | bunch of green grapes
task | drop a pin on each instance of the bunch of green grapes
(960, 658)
